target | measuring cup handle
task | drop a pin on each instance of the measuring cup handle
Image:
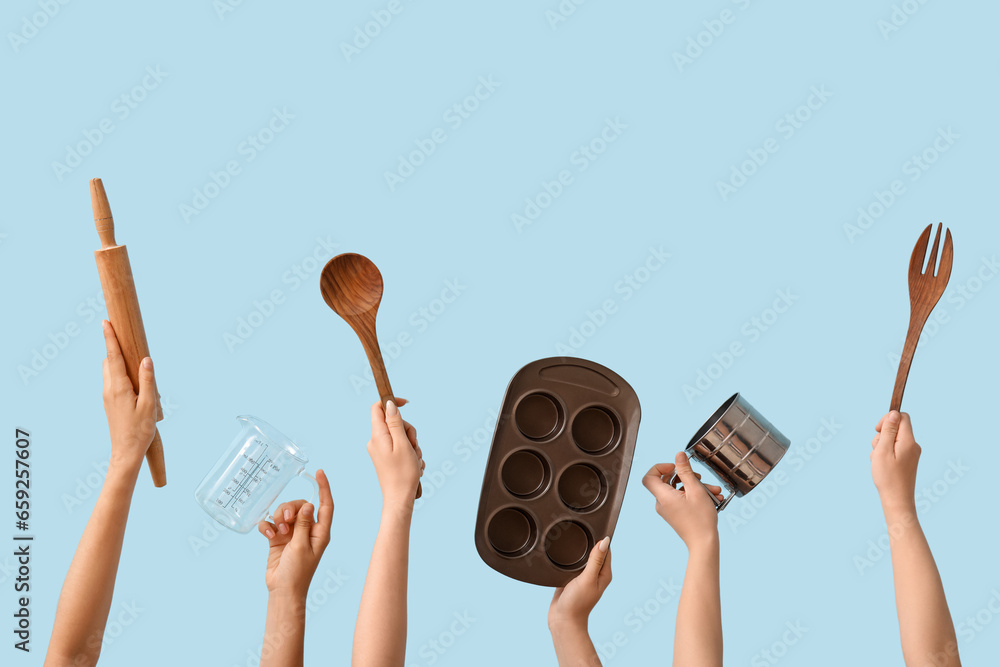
(312, 498)
(719, 505)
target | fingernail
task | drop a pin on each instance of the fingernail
(307, 509)
(288, 514)
(269, 533)
(604, 544)
(893, 417)
(390, 409)
(147, 363)
(282, 529)
(680, 458)
(105, 324)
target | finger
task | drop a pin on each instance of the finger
(267, 529)
(595, 562)
(716, 490)
(284, 516)
(874, 442)
(115, 359)
(303, 525)
(400, 402)
(668, 470)
(655, 484)
(905, 427)
(394, 422)
(379, 428)
(683, 467)
(411, 435)
(146, 403)
(887, 436)
(106, 373)
(604, 576)
(324, 518)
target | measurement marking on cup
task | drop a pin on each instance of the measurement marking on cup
(248, 476)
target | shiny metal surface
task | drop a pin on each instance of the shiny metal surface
(739, 445)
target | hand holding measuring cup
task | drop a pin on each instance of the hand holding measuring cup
(296, 541)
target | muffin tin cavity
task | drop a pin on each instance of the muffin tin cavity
(538, 416)
(582, 487)
(567, 544)
(511, 532)
(524, 473)
(557, 470)
(595, 430)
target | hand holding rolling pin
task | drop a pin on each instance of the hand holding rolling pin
(131, 415)
(123, 312)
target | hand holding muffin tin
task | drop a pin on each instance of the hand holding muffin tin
(557, 469)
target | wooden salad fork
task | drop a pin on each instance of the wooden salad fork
(926, 289)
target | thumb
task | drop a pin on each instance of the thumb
(596, 560)
(146, 401)
(887, 436)
(684, 471)
(303, 525)
(397, 430)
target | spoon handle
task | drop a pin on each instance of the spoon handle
(378, 369)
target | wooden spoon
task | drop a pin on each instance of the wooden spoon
(352, 286)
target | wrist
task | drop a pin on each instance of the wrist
(899, 517)
(399, 509)
(122, 472)
(896, 506)
(561, 623)
(288, 599)
(703, 545)
(122, 466)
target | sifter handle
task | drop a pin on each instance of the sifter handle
(719, 505)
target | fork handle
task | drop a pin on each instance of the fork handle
(906, 358)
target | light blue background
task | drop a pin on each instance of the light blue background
(827, 357)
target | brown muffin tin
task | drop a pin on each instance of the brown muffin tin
(557, 469)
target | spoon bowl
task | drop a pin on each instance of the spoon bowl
(351, 285)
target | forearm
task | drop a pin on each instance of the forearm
(573, 645)
(284, 634)
(698, 635)
(87, 592)
(926, 630)
(380, 633)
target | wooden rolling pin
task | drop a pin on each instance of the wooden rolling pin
(123, 312)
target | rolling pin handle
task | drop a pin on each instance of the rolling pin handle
(103, 220)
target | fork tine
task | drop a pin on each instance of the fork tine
(932, 261)
(919, 252)
(947, 255)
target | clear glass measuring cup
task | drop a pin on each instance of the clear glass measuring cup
(242, 485)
